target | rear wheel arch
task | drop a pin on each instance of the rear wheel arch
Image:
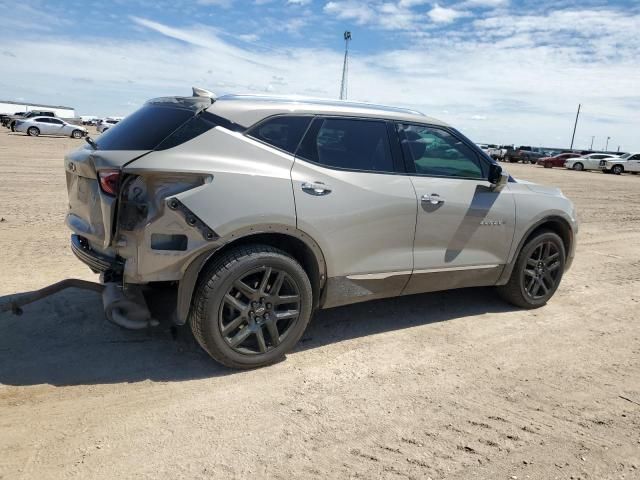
(291, 241)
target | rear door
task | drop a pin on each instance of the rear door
(43, 125)
(351, 199)
(464, 229)
(57, 126)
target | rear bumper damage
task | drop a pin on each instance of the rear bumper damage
(125, 307)
(97, 262)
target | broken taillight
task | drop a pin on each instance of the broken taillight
(109, 181)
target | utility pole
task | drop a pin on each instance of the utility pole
(592, 139)
(345, 67)
(575, 125)
(607, 145)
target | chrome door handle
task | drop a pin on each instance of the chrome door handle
(433, 199)
(316, 188)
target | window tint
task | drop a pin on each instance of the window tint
(635, 157)
(42, 120)
(53, 120)
(192, 128)
(436, 152)
(349, 143)
(283, 132)
(145, 128)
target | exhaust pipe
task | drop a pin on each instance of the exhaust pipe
(126, 308)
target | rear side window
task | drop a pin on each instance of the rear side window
(145, 128)
(283, 132)
(351, 144)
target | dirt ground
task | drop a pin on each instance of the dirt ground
(452, 385)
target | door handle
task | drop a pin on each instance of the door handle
(433, 199)
(316, 188)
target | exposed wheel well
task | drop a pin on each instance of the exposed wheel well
(289, 244)
(312, 263)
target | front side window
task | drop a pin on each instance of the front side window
(436, 152)
(53, 120)
(350, 144)
(283, 132)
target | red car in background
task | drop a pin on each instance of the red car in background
(556, 161)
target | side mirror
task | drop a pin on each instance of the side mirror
(497, 177)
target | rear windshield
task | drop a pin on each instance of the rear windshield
(145, 128)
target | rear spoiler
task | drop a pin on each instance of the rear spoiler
(201, 92)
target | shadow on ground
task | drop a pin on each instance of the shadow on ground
(65, 340)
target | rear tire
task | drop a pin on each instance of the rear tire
(238, 318)
(537, 273)
(33, 131)
(578, 167)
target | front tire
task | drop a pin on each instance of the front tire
(76, 134)
(617, 169)
(33, 131)
(537, 272)
(251, 307)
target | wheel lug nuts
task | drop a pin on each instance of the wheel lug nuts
(269, 305)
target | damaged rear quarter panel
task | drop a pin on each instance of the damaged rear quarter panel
(247, 184)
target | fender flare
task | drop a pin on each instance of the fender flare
(508, 268)
(187, 284)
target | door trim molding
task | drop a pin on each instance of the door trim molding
(385, 275)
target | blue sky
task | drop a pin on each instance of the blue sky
(503, 71)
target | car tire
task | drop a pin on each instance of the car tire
(237, 318)
(617, 169)
(578, 166)
(33, 131)
(76, 134)
(533, 266)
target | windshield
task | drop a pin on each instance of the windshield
(626, 155)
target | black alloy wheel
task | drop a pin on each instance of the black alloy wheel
(540, 275)
(251, 306)
(259, 310)
(537, 271)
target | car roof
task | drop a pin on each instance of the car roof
(246, 110)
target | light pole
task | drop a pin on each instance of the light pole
(575, 125)
(345, 67)
(607, 144)
(592, 138)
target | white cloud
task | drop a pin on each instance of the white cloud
(298, 2)
(360, 12)
(485, 3)
(440, 14)
(216, 3)
(527, 88)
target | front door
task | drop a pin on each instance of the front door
(362, 214)
(464, 229)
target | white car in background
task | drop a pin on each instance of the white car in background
(629, 162)
(49, 126)
(104, 125)
(587, 162)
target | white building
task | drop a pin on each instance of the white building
(8, 107)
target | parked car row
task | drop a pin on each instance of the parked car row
(36, 126)
(606, 162)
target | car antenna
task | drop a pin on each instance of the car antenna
(91, 142)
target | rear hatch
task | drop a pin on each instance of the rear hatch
(92, 200)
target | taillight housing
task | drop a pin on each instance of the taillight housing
(109, 181)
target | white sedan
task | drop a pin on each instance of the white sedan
(587, 162)
(629, 162)
(49, 126)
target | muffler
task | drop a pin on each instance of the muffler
(127, 307)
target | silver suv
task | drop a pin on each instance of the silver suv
(257, 211)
